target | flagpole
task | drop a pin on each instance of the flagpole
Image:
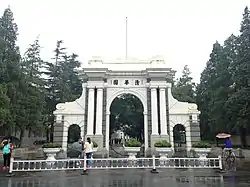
(126, 37)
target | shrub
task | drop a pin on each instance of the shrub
(133, 143)
(162, 143)
(202, 144)
(73, 153)
(51, 145)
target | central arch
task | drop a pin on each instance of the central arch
(126, 119)
(110, 100)
(127, 91)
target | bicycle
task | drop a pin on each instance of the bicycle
(228, 155)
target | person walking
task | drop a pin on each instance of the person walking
(88, 149)
(7, 149)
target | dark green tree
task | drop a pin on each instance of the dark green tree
(31, 68)
(10, 73)
(184, 89)
(10, 53)
(127, 115)
(4, 109)
(212, 93)
(239, 102)
(63, 83)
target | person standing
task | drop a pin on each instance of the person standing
(228, 143)
(88, 149)
(6, 153)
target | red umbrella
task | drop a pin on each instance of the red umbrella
(223, 135)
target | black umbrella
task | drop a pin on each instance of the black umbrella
(13, 139)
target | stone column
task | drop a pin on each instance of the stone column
(145, 130)
(188, 138)
(107, 131)
(82, 129)
(99, 111)
(171, 132)
(65, 137)
(90, 120)
(163, 113)
(154, 112)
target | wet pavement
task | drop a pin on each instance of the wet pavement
(239, 177)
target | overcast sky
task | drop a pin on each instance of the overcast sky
(182, 31)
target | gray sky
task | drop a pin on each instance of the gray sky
(182, 31)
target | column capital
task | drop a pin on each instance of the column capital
(90, 87)
(99, 88)
(107, 113)
(145, 113)
(169, 85)
(162, 88)
(153, 87)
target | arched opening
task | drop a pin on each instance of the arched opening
(126, 119)
(74, 147)
(179, 133)
(74, 133)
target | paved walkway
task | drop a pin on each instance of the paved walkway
(131, 178)
(125, 178)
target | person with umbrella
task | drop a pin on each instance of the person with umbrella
(7, 150)
(227, 153)
(228, 143)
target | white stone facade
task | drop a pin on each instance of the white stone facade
(107, 79)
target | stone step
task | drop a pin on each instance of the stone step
(117, 151)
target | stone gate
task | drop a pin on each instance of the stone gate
(149, 80)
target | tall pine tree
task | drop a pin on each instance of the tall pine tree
(63, 83)
(212, 93)
(31, 68)
(184, 90)
(239, 102)
(10, 74)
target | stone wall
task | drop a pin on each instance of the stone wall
(58, 133)
(195, 132)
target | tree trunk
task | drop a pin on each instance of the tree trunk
(47, 134)
(243, 137)
(21, 136)
(52, 133)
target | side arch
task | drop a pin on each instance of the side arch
(186, 123)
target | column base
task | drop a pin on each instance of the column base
(154, 171)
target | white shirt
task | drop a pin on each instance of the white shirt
(88, 147)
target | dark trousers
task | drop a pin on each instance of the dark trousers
(6, 160)
(88, 156)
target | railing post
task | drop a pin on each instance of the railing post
(11, 166)
(220, 162)
(154, 168)
(85, 172)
